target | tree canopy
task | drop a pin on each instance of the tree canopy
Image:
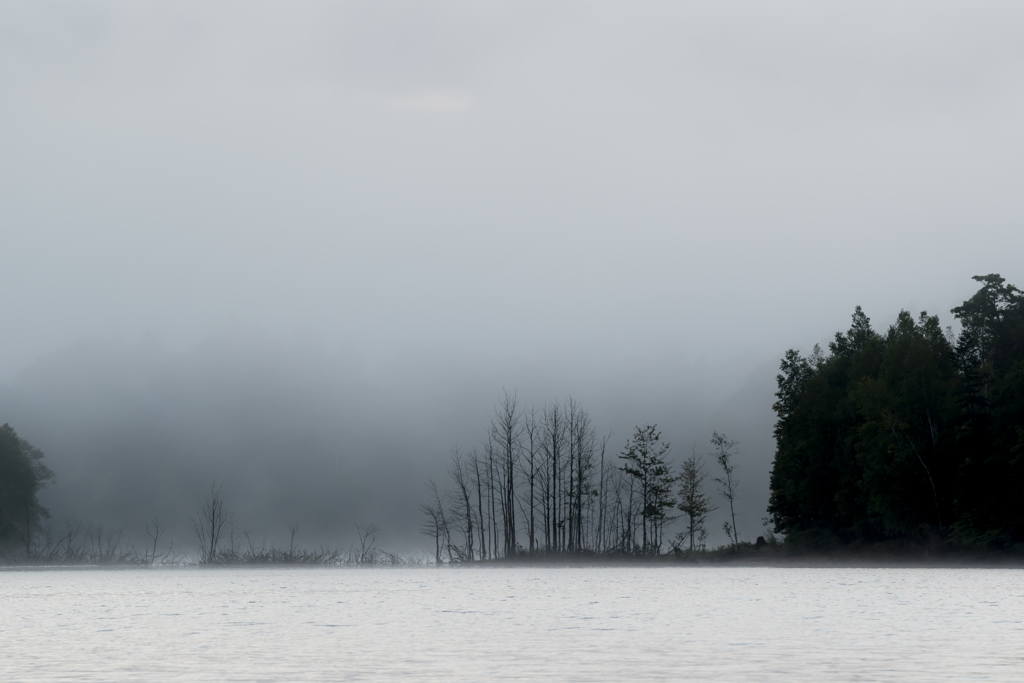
(907, 433)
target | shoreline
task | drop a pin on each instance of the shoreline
(766, 560)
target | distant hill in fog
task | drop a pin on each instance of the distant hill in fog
(134, 431)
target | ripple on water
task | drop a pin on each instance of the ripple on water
(572, 624)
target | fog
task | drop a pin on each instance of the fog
(303, 248)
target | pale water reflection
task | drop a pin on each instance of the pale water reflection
(482, 624)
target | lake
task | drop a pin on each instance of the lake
(528, 623)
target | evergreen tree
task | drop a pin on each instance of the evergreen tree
(694, 503)
(907, 434)
(22, 475)
(990, 431)
(644, 458)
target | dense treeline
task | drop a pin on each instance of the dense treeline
(913, 434)
(544, 483)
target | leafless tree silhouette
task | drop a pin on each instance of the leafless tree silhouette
(208, 523)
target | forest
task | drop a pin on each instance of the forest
(911, 435)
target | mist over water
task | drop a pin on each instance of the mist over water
(303, 438)
(303, 249)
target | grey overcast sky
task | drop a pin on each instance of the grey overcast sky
(502, 179)
(508, 190)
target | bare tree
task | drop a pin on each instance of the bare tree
(464, 509)
(581, 463)
(208, 524)
(602, 498)
(106, 547)
(553, 448)
(435, 523)
(474, 461)
(531, 464)
(291, 542)
(153, 529)
(506, 434)
(432, 527)
(232, 554)
(626, 497)
(72, 530)
(727, 483)
(492, 487)
(367, 544)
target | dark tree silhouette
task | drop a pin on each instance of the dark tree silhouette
(435, 524)
(644, 460)
(208, 523)
(463, 513)
(694, 502)
(727, 483)
(22, 475)
(506, 437)
(911, 434)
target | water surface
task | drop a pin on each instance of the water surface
(483, 624)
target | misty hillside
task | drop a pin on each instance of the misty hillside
(299, 437)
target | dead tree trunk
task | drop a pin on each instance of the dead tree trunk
(457, 470)
(506, 431)
(531, 432)
(208, 524)
(478, 481)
